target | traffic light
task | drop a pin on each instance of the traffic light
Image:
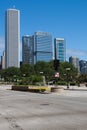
(56, 65)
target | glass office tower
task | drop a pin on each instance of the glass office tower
(27, 49)
(60, 49)
(12, 38)
(43, 49)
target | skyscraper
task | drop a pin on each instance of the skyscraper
(60, 49)
(27, 49)
(83, 66)
(3, 60)
(43, 49)
(75, 61)
(12, 38)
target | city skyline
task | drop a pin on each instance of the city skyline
(63, 18)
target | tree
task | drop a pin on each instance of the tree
(40, 66)
(46, 69)
(72, 73)
(82, 78)
(27, 70)
(10, 73)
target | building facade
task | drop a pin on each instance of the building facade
(12, 38)
(3, 60)
(83, 66)
(74, 61)
(43, 48)
(60, 49)
(27, 49)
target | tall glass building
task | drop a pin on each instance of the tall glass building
(43, 49)
(12, 38)
(60, 49)
(27, 49)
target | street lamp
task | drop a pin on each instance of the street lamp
(67, 69)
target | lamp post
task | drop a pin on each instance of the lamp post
(67, 69)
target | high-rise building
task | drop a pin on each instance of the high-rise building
(43, 48)
(83, 66)
(75, 61)
(27, 49)
(59, 49)
(3, 60)
(12, 38)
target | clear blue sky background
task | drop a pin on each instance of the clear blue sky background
(63, 18)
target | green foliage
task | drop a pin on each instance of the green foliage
(41, 66)
(10, 74)
(61, 83)
(67, 74)
(32, 74)
(72, 83)
(27, 70)
(32, 79)
(35, 79)
(82, 78)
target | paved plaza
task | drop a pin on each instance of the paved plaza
(66, 110)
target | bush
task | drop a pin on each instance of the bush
(61, 83)
(73, 83)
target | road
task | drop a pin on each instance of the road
(33, 111)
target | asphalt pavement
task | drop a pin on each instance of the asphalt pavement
(66, 110)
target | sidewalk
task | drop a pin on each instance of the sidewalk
(82, 88)
(5, 87)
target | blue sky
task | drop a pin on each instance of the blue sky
(63, 18)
